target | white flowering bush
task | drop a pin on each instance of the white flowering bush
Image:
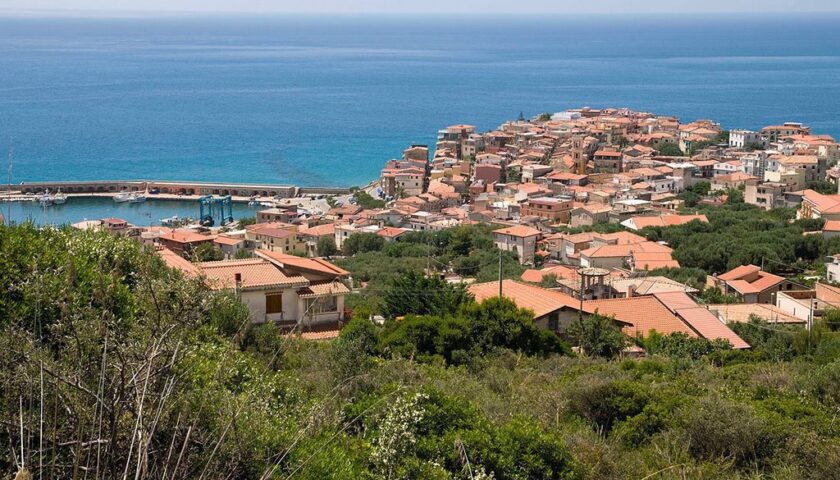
(396, 433)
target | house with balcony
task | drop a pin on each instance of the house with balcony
(276, 287)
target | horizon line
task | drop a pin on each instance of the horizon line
(127, 14)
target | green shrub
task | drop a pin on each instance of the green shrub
(605, 402)
(718, 429)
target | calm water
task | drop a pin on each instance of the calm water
(324, 101)
(77, 209)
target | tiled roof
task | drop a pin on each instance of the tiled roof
(641, 222)
(255, 274)
(653, 260)
(831, 226)
(700, 319)
(313, 264)
(320, 230)
(650, 285)
(624, 250)
(185, 236)
(270, 230)
(173, 260)
(823, 203)
(228, 240)
(740, 312)
(750, 279)
(518, 231)
(642, 313)
(536, 276)
(323, 289)
(391, 232)
(541, 300)
(739, 272)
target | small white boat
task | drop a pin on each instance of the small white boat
(59, 198)
(170, 221)
(46, 199)
(137, 198)
(268, 204)
(123, 197)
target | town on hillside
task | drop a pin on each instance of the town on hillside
(569, 198)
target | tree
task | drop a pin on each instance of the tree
(362, 242)
(207, 252)
(243, 253)
(326, 246)
(544, 117)
(669, 149)
(823, 186)
(597, 336)
(245, 221)
(366, 201)
(413, 293)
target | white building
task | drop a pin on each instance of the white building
(520, 239)
(745, 138)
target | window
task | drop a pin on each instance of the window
(273, 303)
(321, 305)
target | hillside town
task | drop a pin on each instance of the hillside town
(568, 196)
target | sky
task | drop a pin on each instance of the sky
(149, 7)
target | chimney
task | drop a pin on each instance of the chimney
(631, 291)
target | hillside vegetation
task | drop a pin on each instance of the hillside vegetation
(113, 366)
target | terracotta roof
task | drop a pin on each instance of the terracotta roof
(739, 272)
(823, 203)
(649, 285)
(750, 279)
(642, 313)
(391, 232)
(624, 250)
(271, 230)
(255, 274)
(541, 300)
(653, 260)
(831, 226)
(740, 312)
(320, 230)
(622, 237)
(312, 264)
(640, 222)
(185, 236)
(223, 240)
(323, 289)
(701, 320)
(173, 260)
(536, 276)
(518, 231)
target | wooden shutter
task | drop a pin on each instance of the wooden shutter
(273, 303)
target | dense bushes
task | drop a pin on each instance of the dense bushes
(475, 330)
(742, 234)
(93, 315)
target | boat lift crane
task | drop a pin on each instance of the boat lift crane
(211, 207)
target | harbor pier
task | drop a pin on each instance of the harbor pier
(169, 189)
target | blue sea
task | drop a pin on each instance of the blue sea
(326, 100)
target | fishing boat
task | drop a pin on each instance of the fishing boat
(137, 198)
(122, 197)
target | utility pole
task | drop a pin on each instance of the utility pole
(580, 310)
(500, 273)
